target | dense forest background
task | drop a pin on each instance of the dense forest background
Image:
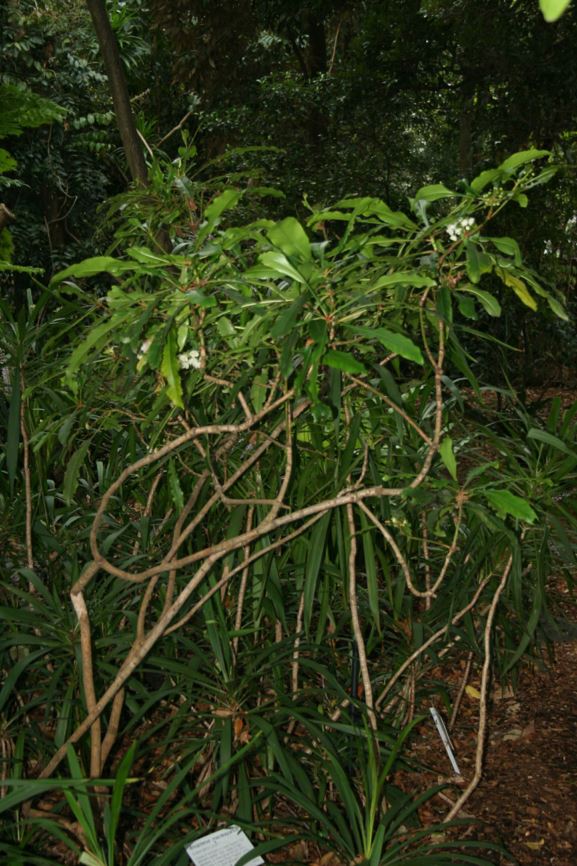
(288, 351)
(337, 99)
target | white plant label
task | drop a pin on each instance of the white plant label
(445, 739)
(222, 848)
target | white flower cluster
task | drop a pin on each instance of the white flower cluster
(460, 228)
(190, 359)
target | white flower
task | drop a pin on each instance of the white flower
(189, 359)
(460, 228)
(144, 348)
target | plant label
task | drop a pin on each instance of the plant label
(222, 848)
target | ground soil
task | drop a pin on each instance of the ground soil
(528, 796)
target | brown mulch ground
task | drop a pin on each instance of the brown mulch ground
(528, 797)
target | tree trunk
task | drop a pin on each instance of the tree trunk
(119, 90)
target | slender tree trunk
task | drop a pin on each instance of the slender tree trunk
(119, 90)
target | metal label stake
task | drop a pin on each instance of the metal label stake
(445, 739)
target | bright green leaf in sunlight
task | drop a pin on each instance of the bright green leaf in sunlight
(553, 9)
(504, 502)
(448, 456)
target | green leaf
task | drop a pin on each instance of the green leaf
(73, 471)
(393, 342)
(522, 158)
(553, 9)
(290, 237)
(93, 266)
(171, 371)
(482, 180)
(557, 308)
(13, 430)
(197, 297)
(518, 287)
(490, 304)
(509, 247)
(7, 161)
(478, 262)
(96, 338)
(343, 361)
(288, 318)
(448, 456)
(404, 278)
(467, 307)
(549, 439)
(226, 200)
(175, 488)
(277, 263)
(434, 192)
(504, 502)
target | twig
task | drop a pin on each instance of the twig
(461, 692)
(485, 677)
(357, 631)
(243, 586)
(434, 637)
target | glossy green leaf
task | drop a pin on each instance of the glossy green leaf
(221, 203)
(343, 361)
(278, 264)
(434, 192)
(482, 180)
(478, 262)
(553, 9)
(392, 341)
(467, 307)
(93, 266)
(448, 456)
(404, 278)
(490, 303)
(504, 502)
(290, 237)
(509, 247)
(522, 158)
